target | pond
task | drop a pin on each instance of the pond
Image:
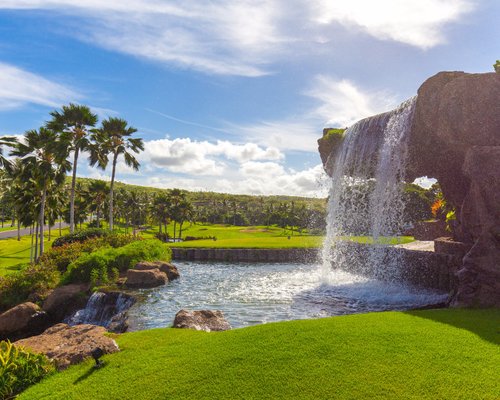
(251, 294)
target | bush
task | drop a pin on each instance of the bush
(20, 368)
(100, 266)
(80, 236)
(34, 281)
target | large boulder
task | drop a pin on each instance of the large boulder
(65, 300)
(170, 269)
(21, 321)
(145, 279)
(68, 345)
(203, 320)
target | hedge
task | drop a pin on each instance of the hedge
(104, 265)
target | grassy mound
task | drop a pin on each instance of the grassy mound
(434, 354)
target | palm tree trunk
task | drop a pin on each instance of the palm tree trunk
(72, 195)
(35, 258)
(31, 248)
(42, 217)
(115, 157)
(18, 230)
(180, 229)
(175, 226)
(60, 225)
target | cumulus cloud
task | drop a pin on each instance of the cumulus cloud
(19, 87)
(342, 102)
(245, 37)
(185, 155)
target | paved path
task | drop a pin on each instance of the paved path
(26, 231)
(419, 245)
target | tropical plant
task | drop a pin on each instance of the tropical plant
(73, 122)
(496, 66)
(19, 368)
(113, 139)
(97, 193)
(45, 164)
(6, 141)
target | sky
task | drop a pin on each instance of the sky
(232, 95)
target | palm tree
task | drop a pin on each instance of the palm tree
(97, 193)
(46, 165)
(113, 138)
(6, 141)
(73, 122)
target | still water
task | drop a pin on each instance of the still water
(250, 294)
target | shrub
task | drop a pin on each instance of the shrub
(80, 236)
(33, 281)
(19, 368)
(103, 265)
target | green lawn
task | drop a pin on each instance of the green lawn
(434, 354)
(14, 252)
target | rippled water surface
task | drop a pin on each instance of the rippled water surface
(251, 294)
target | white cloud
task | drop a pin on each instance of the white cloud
(245, 37)
(184, 155)
(343, 103)
(19, 87)
(418, 23)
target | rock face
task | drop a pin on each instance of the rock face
(145, 279)
(455, 138)
(65, 300)
(163, 266)
(203, 320)
(68, 345)
(21, 321)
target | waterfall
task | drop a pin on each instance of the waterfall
(105, 309)
(366, 196)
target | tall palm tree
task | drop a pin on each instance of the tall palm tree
(46, 165)
(113, 138)
(73, 122)
(7, 141)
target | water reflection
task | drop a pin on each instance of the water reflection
(251, 294)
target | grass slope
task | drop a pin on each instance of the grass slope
(434, 354)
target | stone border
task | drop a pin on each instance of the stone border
(246, 255)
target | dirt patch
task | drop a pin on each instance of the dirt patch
(255, 230)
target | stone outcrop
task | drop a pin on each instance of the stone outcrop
(203, 320)
(428, 230)
(21, 321)
(168, 268)
(68, 345)
(455, 138)
(146, 278)
(65, 300)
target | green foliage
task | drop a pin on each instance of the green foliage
(433, 354)
(101, 266)
(334, 134)
(496, 66)
(19, 368)
(79, 236)
(33, 281)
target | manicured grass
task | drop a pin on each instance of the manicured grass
(434, 354)
(14, 252)
(255, 243)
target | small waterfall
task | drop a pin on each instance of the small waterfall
(366, 196)
(105, 309)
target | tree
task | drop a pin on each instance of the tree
(496, 66)
(45, 164)
(113, 138)
(96, 195)
(6, 141)
(73, 122)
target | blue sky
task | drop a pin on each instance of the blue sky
(231, 95)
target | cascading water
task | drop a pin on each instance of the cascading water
(105, 309)
(366, 196)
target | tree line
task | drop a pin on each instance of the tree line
(34, 180)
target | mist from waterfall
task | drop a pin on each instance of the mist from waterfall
(366, 194)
